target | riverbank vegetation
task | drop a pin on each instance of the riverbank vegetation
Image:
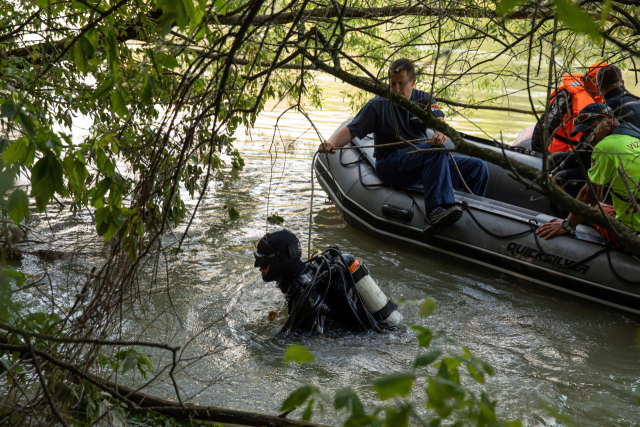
(165, 85)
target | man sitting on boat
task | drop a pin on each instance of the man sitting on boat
(616, 148)
(390, 123)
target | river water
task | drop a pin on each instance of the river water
(548, 349)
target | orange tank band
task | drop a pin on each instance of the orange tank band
(354, 266)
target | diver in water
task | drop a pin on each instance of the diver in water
(331, 287)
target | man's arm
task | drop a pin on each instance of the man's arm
(555, 228)
(339, 139)
(364, 123)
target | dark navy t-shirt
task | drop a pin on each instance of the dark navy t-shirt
(375, 117)
(625, 106)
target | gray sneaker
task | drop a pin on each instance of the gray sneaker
(440, 217)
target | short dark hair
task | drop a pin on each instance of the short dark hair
(609, 75)
(403, 64)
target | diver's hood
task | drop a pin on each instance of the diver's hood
(286, 265)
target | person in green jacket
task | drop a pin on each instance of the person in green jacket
(615, 162)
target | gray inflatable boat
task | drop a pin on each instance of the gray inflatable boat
(497, 231)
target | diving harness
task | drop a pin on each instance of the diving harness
(338, 287)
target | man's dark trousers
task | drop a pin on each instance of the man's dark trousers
(436, 171)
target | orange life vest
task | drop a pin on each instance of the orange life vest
(580, 98)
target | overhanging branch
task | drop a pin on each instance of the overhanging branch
(321, 14)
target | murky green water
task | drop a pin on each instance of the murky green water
(547, 348)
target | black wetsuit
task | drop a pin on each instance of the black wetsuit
(325, 291)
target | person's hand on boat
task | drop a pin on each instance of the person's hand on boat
(553, 228)
(438, 139)
(326, 147)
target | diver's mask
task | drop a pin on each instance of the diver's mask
(262, 261)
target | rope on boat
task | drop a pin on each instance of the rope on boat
(533, 226)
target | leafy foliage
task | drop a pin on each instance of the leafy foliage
(448, 399)
(129, 360)
(275, 219)
(298, 354)
(232, 212)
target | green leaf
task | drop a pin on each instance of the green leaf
(605, 11)
(26, 122)
(91, 37)
(297, 398)
(104, 89)
(165, 22)
(105, 165)
(118, 417)
(46, 179)
(147, 92)
(576, 19)
(275, 219)
(8, 109)
(88, 48)
(427, 307)
(343, 396)
(424, 336)
(130, 362)
(99, 191)
(79, 6)
(196, 17)
(108, 221)
(118, 103)
(232, 212)
(298, 354)
(17, 152)
(18, 206)
(43, 3)
(397, 384)
(507, 5)
(76, 172)
(144, 360)
(395, 418)
(221, 5)
(79, 58)
(170, 62)
(185, 10)
(308, 412)
(17, 276)
(427, 359)
(133, 249)
(477, 375)
(113, 53)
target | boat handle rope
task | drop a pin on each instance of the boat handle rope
(533, 226)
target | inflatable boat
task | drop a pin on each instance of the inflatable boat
(496, 231)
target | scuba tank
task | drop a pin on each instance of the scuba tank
(375, 301)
